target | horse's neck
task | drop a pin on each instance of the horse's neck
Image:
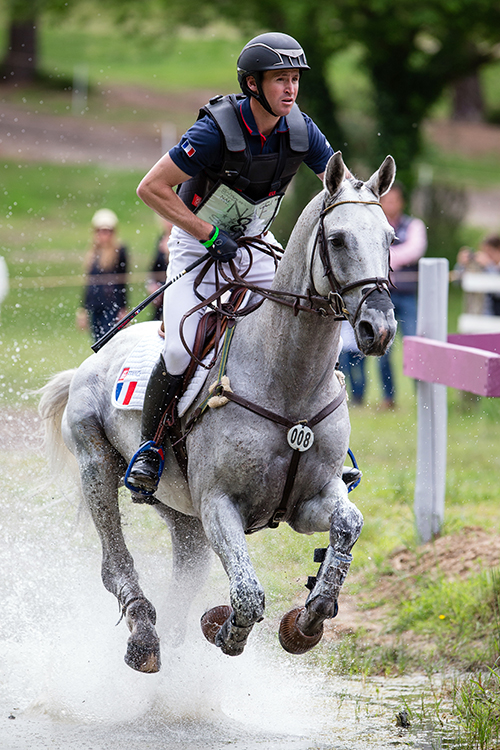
(298, 350)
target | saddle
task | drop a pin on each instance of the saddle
(209, 332)
(211, 329)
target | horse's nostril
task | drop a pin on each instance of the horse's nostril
(366, 332)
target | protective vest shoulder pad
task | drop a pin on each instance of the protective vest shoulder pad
(297, 129)
(223, 109)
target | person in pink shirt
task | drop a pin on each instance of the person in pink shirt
(410, 245)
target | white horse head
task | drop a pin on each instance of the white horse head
(350, 254)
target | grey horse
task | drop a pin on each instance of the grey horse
(282, 360)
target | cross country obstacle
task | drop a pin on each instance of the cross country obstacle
(436, 360)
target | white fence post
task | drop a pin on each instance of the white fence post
(432, 323)
(80, 89)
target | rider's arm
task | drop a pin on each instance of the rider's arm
(157, 192)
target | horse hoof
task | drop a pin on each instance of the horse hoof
(294, 640)
(143, 658)
(212, 621)
(143, 646)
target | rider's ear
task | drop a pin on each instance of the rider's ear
(381, 180)
(251, 83)
(335, 173)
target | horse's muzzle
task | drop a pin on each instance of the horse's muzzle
(375, 331)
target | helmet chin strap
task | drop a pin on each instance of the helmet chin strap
(261, 98)
(259, 95)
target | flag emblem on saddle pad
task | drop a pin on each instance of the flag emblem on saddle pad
(190, 150)
(125, 388)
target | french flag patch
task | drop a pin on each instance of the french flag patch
(190, 151)
(124, 388)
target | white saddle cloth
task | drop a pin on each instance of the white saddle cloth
(130, 386)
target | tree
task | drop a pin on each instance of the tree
(411, 51)
(20, 63)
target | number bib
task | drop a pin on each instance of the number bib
(300, 437)
(233, 213)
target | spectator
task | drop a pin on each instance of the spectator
(159, 270)
(352, 364)
(485, 260)
(409, 246)
(105, 297)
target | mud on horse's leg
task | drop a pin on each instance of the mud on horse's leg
(302, 628)
(224, 528)
(100, 467)
(321, 604)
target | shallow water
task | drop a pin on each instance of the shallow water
(64, 684)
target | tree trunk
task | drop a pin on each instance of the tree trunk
(468, 103)
(20, 62)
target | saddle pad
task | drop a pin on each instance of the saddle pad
(130, 386)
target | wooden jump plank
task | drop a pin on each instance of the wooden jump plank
(463, 367)
(488, 341)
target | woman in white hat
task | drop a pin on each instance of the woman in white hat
(105, 298)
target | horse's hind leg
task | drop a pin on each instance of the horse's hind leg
(100, 467)
(191, 558)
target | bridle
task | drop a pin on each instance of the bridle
(331, 305)
(335, 297)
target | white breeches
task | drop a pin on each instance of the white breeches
(180, 297)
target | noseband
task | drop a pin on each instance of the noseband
(335, 297)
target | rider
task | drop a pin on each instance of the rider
(232, 168)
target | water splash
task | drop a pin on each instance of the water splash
(65, 684)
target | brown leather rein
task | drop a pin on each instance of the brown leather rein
(331, 305)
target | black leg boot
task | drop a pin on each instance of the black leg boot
(162, 388)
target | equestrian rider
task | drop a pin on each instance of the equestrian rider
(232, 168)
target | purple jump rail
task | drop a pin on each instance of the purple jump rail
(468, 362)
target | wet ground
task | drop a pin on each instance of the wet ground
(63, 681)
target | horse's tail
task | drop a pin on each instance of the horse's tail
(54, 397)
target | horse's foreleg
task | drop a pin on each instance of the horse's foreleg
(99, 470)
(224, 528)
(345, 524)
(191, 558)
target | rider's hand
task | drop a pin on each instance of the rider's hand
(220, 245)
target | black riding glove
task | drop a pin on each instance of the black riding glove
(220, 245)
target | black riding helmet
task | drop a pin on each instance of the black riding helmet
(272, 51)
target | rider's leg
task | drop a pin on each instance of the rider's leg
(161, 390)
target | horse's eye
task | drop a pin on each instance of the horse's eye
(337, 242)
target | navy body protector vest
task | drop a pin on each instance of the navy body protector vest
(254, 177)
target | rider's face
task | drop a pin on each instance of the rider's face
(280, 88)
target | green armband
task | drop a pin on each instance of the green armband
(208, 244)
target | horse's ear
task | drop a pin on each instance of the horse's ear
(381, 180)
(335, 173)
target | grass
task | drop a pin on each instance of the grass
(478, 707)
(459, 617)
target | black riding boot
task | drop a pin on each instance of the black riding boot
(161, 390)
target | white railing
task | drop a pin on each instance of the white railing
(475, 286)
